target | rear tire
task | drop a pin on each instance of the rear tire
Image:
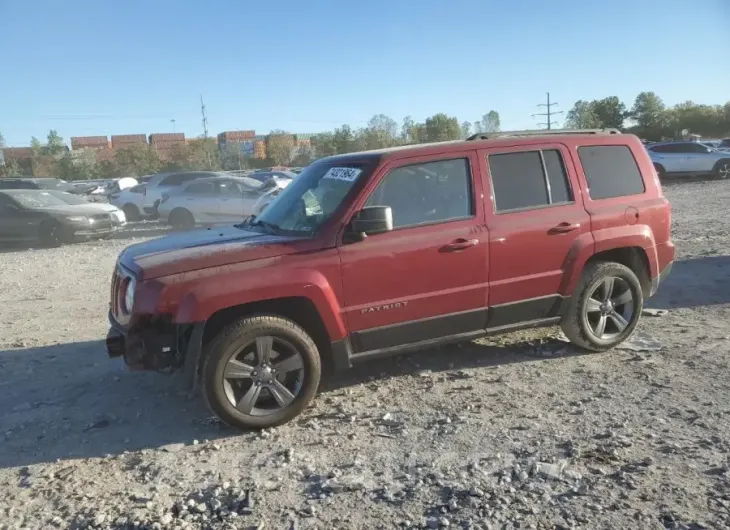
(660, 171)
(597, 320)
(181, 219)
(248, 388)
(722, 169)
(131, 212)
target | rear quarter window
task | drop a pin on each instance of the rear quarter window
(611, 171)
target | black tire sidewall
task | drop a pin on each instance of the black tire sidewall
(719, 165)
(131, 212)
(660, 170)
(232, 340)
(592, 281)
(52, 234)
(182, 219)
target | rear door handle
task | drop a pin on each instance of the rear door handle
(564, 228)
(460, 244)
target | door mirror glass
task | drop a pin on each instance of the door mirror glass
(373, 220)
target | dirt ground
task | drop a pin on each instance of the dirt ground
(511, 433)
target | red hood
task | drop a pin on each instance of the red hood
(201, 249)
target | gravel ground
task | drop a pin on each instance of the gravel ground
(515, 432)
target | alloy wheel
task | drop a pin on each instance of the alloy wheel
(724, 171)
(609, 308)
(264, 377)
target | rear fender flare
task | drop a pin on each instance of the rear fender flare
(613, 238)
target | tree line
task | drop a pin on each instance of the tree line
(648, 117)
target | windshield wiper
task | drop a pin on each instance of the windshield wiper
(251, 220)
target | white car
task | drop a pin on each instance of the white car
(130, 201)
(689, 159)
(165, 183)
(270, 190)
(210, 201)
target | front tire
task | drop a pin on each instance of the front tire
(131, 213)
(181, 219)
(260, 372)
(722, 169)
(605, 308)
(660, 171)
(52, 234)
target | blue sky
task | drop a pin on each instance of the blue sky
(90, 67)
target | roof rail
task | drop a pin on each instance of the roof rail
(539, 132)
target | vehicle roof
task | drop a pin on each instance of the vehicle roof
(30, 179)
(25, 192)
(505, 139)
(246, 181)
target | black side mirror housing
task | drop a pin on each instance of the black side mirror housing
(371, 220)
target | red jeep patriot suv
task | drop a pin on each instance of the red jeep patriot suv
(369, 254)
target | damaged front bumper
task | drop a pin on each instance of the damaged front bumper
(154, 344)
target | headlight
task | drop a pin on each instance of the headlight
(120, 216)
(129, 296)
(77, 219)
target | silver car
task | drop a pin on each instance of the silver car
(689, 159)
(210, 201)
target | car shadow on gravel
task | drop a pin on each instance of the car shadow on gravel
(70, 401)
(695, 282)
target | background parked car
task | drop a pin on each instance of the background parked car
(689, 158)
(130, 201)
(36, 215)
(269, 191)
(75, 200)
(37, 183)
(210, 200)
(162, 183)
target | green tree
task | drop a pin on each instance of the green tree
(409, 131)
(280, 147)
(582, 116)
(303, 157)
(649, 111)
(610, 112)
(232, 158)
(137, 160)
(323, 145)
(344, 140)
(35, 146)
(380, 132)
(465, 129)
(441, 128)
(489, 123)
(54, 145)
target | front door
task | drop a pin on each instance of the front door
(536, 220)
(17, 224)
(426, 279)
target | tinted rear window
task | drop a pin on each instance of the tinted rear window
(611, 171)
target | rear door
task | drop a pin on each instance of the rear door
(670, 156)
(536, 218)
(426, 279)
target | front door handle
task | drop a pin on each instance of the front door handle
(460, 244)
(564, 228)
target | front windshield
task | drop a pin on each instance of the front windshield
(310, 199)
(67, 197)
(37, 199)
(53, 184)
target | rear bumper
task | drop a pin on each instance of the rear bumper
(659, 279)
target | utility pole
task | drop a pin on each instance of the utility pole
(205, 119)
(548, 113)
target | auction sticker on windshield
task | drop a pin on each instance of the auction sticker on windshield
(348, 174)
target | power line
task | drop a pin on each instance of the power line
(549, 113)
(205, 119)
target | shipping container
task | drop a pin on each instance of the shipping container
(123, 140)
(80, 142)
(168, 144)
(159, 137)
(17, 153)
(236, 135)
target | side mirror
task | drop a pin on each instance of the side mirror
(372, 220)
